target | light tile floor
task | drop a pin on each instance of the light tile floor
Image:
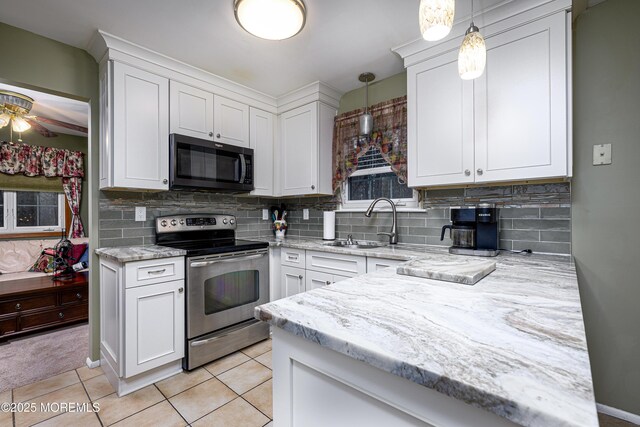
(235, 391)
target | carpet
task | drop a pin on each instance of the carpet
(37, 357)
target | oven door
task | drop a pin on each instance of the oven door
(223, 290)
(196, 163)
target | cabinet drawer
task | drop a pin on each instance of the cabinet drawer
(49, 317)
(292, 257)
(316, 279)
(343, 265)
(142, 273)
(74, 296)
(375, 264)
(8, 325)
(30, 303)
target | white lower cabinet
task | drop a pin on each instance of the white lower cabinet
(317, 279)
(142, 321)
(292, 281)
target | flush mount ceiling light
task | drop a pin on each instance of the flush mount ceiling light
(472, 56)
(271, 19)
(366, 119)
(436, 18)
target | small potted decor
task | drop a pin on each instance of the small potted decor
(280, 228)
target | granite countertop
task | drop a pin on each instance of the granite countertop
(513, 344)
(138, 253)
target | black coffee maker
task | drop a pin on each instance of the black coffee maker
(474, 231)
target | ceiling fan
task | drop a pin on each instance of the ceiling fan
(15, 108)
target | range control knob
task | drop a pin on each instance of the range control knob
(174, 222)
(224, 221)
(163, 223)
(182, 222)
(232, 221)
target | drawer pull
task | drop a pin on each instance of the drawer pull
(292, 257)
(157, 271)
(79, 295)
(328, 282)
(300, 277)
(61, 315)
(18, 306)
(180, 290)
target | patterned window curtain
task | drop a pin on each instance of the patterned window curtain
(32, 160)
(389, 136)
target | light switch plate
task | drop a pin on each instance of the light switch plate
(265, 214)
(141, 213)
(305, 214)
(602, 154)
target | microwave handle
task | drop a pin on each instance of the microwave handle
(243, 168)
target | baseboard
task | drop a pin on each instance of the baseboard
(92, 363)
(618, 413)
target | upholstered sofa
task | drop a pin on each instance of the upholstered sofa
(17, 257)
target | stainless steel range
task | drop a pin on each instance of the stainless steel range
(226, 279)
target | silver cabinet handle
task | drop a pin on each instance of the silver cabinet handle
(328, 282)
(157, 271)
(479, 171)
(61, 315)
(18, 306)
(180, 290)
(217, 135)
(313, 187)
(164, 181)
(210, 133)
(300, 276)
(79, 295)
(467, 172)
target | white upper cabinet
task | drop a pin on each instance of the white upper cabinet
(230, 121)
(191, 111)
(521, 104)
(261, 140)
(135, 127)
(440, 123)
(305, 149)
(510, 124)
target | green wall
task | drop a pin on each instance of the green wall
(49, 66)
(606, 199)
(382, 90)
(21, 182)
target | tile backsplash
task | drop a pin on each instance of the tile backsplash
(535, 216)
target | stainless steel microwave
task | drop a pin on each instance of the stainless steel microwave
(199, 164)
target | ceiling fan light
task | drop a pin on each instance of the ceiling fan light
(4, 119)
(436, 18)
(20, 125)
(472, 56)
(271, 19)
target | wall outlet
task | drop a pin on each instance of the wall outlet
(265, 214)
(141, 213)
(305, 214)
(602, 154)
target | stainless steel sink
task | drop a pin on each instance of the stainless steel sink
(355, 244)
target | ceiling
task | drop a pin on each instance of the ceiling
(56, 108)
(341, 39)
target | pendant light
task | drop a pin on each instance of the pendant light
(271, 19)
(436, 18)
(366, 119)
(472, 56)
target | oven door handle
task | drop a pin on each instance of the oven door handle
(243, 258)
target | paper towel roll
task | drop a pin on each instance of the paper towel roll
(329, 223)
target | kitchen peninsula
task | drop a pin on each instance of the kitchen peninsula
(384, 349)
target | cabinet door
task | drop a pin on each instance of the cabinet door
(230, 121)
(191, 111)
(261, 139)
(140, 129)
(299, 150)
(316, 279)
(154, 333)
(292, 281)
(521, 104)
(439, 123)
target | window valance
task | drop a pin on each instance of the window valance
(33, 160)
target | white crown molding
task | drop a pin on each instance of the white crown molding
(104, 46)
(491, 21)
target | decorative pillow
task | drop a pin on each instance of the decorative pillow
(76, 252)
(44, 263)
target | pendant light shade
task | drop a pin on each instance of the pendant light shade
(436, 18)
(366, 119)
(271, 19)
(472, 56)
